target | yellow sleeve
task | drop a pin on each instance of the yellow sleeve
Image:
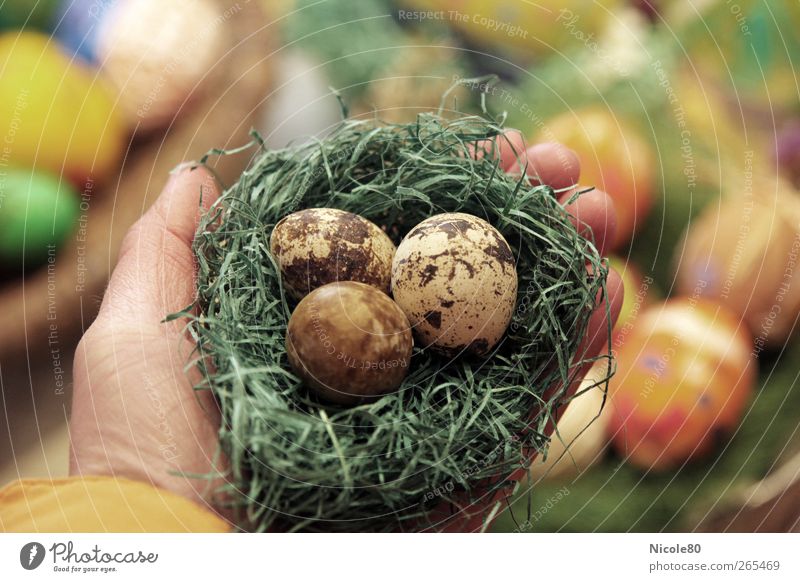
(100, 504)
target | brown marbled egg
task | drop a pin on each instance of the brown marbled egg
(455, 278)
(349, 342)
(318, 246)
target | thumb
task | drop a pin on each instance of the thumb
(155, 272)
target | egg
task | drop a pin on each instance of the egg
(455, 278)
(37, 212)
(158, 53)
(349, 342)
(684, 380)
(317, 246)
(55, 114)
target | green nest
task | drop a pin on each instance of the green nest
(457, 429)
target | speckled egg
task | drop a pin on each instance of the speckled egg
(349, 342)
(318, 246)
(455, 278)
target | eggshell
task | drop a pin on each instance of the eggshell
(37, 212)
(349, 342)
(157, 53)
(317, 246)
(454, 276)
(684, 380)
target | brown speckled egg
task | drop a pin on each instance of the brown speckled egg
(349, 342)
(455, 278)
(318, 246)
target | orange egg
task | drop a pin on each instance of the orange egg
(744, 253)
(613, 158)
(684, 378)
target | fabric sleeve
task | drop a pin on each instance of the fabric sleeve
(100, 504)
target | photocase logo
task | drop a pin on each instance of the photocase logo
(31, 555)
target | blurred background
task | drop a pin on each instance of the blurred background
(686, 112)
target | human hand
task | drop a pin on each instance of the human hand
(594, 216)
(134, 411)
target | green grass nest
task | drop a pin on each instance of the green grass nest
(457, 429)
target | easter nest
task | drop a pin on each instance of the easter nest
(458, 428)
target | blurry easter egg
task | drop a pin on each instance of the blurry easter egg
(683, 381)
(523, 28)
(55, 115)
(26, 14)
(157, 52)
(37, 212)
(76, 25)
(613, 157)
(745, 254)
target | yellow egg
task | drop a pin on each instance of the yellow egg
(454, 276)
(55, 114)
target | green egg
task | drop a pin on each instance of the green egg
(37, 212)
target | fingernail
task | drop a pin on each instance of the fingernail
(182, 167)
(178, 171)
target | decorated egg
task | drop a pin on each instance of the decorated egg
(37, 212)
(684, 379)
(157, 52)
(317, 246)
(349, 342)
(55, 115)
(455, 277)
(613, 157)
(743, 253)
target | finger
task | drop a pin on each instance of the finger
(512, 148)
(597, 332)
(550, 163)
(595, 217)
(509, 148)
(595, 339)
(155, 273)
